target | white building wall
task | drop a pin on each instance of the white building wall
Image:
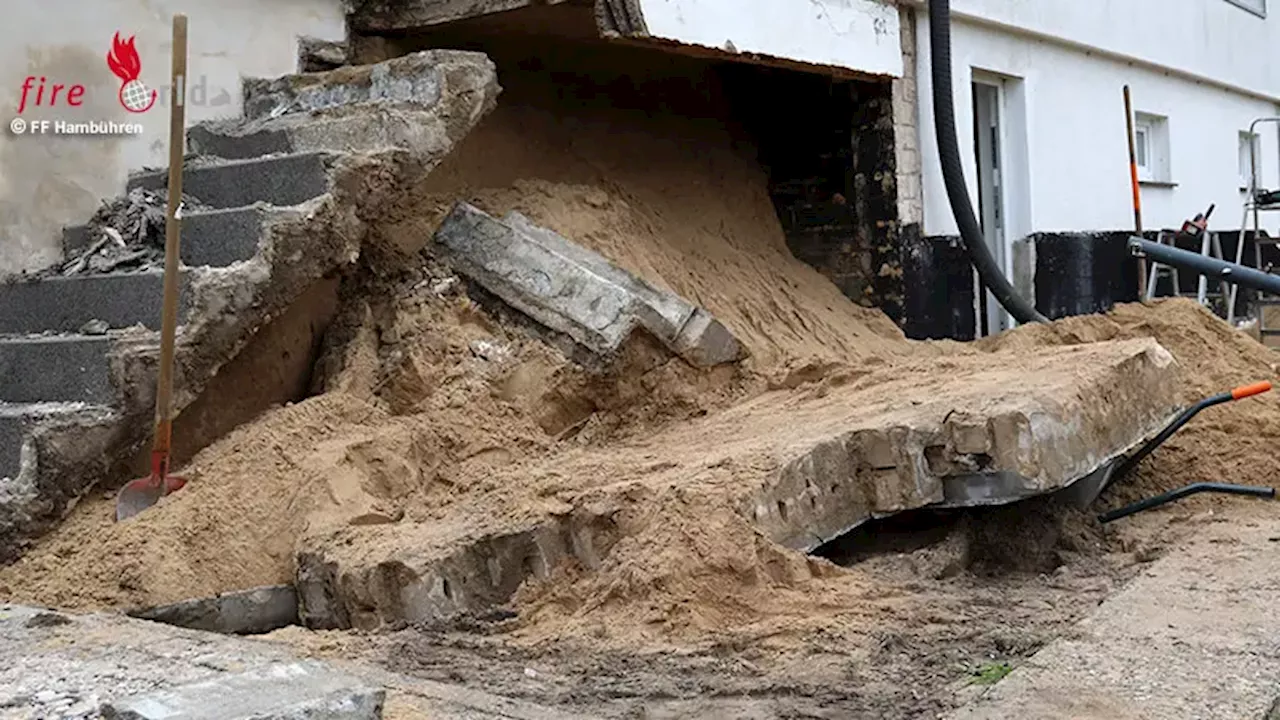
(1202, 63)
(49, 182)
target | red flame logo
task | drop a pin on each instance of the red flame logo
(125, 63)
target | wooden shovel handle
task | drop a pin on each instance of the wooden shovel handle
(172, 233)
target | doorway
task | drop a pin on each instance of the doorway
(988, 145)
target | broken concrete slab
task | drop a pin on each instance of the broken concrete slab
(357, 109)
(244, 612)
(963, 430)
(283, 691)
(279, 180)
(575, 291)
(60, 664)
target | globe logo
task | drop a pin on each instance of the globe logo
(124, 62)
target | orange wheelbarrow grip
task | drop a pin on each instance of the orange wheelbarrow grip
(1250, 390)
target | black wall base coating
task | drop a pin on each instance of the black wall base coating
(1081, 273)
(938, 287)
(1075, 274)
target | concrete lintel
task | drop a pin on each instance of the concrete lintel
(392, 15)
(575, 291)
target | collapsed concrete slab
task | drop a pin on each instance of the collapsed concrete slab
(64, 665)
(575, 291)
(358, 109)
(802, 468)
(319, 207)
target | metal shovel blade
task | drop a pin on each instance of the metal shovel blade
(138, 495)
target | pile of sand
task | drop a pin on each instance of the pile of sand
(432, 402)
(426, 392)
(1232, 443)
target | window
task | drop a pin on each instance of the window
(1250, 147)
(1257, 7)
(1151, 148)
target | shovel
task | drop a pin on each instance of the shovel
(140, 494)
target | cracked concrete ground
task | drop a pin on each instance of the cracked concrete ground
(55, 664)
(1195, 635)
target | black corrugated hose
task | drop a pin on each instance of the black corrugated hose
(944, 122)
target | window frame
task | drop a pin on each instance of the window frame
(1243, 139)
(1158, 149)
(1142, 133)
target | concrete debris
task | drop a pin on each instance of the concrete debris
(246, 612)
(575, 291)
(127, 234)
(293, 691)
(62, 665)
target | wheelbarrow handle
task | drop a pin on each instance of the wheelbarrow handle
(1245, 391)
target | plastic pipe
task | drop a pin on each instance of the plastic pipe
(944, 123)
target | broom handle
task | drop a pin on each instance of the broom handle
(172, 236)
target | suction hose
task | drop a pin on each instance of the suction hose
(944, 122)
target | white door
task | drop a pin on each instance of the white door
(987, 98)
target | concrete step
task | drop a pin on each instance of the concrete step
(16, 418)
(282, 180)
(65, 304)
(58, 368)
(215, 238)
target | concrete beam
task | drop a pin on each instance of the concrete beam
(362, 109)
(575, 291)
(374, 16)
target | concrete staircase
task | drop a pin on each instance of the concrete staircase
(49, 371)
(288, 186)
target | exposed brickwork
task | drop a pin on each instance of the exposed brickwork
(906, 127)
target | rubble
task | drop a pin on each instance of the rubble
(127, 234)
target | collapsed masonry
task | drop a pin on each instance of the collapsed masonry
(290, 188)
(829, 450)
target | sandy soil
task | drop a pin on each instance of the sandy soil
(427, 400)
